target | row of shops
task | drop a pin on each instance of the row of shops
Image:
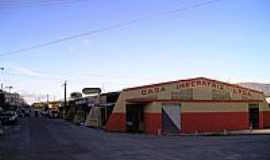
(196, 105)
(91, 111)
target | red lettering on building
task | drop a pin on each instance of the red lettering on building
(162, 89)
(204, 83)
(198, 83)
(214, 85)
(152, 90)
(156, 90)
(221, 87)
(143, 92)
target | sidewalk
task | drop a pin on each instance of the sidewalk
(251, 132)
(233, 133)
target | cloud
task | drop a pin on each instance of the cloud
(23, 71)
(33, 97)
(28, 72)
(86, 41)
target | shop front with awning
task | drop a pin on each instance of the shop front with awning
(101, 108)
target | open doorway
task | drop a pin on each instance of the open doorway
(135, 118)
(254, 116)
(171, 120)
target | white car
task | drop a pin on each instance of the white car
(8, 117)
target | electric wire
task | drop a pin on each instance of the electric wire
(111, 27)
(16, 4)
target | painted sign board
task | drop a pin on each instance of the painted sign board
(91, 91)
(75, 95)
(196, 84)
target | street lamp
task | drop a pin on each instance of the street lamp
(2, 85)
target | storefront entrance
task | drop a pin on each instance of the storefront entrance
(171, 120)
(135, 118)
(254, 116)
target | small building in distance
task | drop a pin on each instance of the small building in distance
(11, 101)
(39, 106)
(55, 105)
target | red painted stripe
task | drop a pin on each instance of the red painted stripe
(192, 122)
(116, 122)
(203, 122)
(152, 123)
(214, 122)
(266, 119)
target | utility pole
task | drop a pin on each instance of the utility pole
(47, 106)
(65, 94)
(2, 79)
(47, 99)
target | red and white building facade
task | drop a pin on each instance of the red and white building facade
(189, 106)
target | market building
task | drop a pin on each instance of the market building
(39, 108)
(55, 105)
(189, 106)
(11, 101)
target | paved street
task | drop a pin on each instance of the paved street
(46, 139)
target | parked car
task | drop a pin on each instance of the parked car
(1, 129)
(36, 113)
(27, 112)
(8, 117)
(45, 113)
(21, 113)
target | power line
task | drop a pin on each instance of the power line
(115, 26)
(67, 38)
(23, 4)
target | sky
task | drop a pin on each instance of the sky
(226, 40)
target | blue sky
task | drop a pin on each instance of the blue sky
(226, 40)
